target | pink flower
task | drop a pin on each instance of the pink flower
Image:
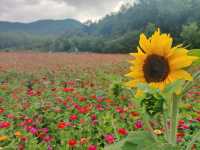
(31, 129)
(47, 138)
(45, 130)
(198, 118)
(92, 147)
(109, 138)
(138, 124)
(10, 116)
(93, 117)
(183, 127)
(119, 110)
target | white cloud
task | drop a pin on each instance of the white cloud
(31, 10)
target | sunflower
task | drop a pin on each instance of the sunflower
(158, 63)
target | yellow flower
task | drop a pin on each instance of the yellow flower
(157, 132)
(158, 63)
(3, 138)
(17, 134)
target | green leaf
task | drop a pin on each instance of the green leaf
(141, 140)
(129, 146)
(146, 88)
(194, 52)
(132, 141)
(173, 87)
(116, 146)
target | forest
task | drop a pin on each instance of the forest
(115, 33)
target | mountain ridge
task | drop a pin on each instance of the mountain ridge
(47, 26)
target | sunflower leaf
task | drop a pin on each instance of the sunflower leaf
(146, 88)
(175, 87)
(195, 52)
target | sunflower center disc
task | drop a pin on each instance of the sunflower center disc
(156, 68)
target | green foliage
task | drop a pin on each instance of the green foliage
(191, 34)
(153, 104)
(195, 52)
(140, 140)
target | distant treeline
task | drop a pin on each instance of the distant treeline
(118, 32)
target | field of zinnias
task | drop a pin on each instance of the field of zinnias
(75, 102)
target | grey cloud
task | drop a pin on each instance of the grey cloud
(30, 10)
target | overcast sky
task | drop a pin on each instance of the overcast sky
(31, 10)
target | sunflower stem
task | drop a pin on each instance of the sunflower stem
(173, 124)
(146, 121)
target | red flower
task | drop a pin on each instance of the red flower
(180, 134)
(29, 121)
(72, 143)
(92, 147)
(61, 125)
(135, 114)
(1, 110)
(180, 122)
(73, 117)
(109, 138)
(68, 89)
(83, 110)
(93, 97)
(122, 131)
(81, 98)
(4, 124)
(108, 100)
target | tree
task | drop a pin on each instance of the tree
(191, 34)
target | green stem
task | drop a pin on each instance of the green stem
(146, 121)
(194, 139)
(174, 114)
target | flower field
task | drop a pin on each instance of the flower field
(77, 102)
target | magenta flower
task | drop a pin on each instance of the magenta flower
(109, 138)
(138, 124)
(92, 147)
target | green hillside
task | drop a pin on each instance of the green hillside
(116, 32)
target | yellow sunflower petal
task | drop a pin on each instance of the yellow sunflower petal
(177, 53)
(139, 93)
(181, 62)
(132, 83)
(135, 74)
(144, 43)
(180, 74)
(159, 85)
(161, 43)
